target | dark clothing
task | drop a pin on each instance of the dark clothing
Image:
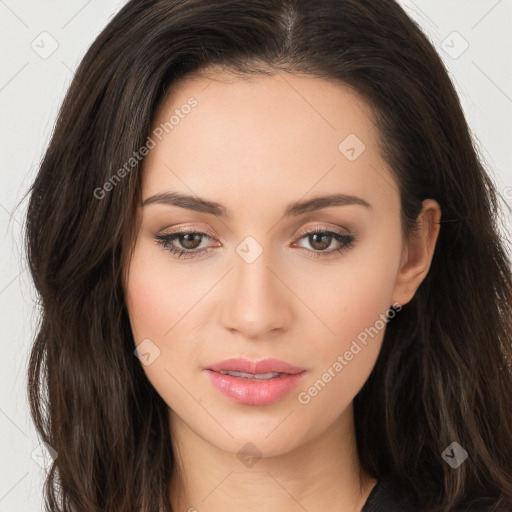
(389, 495)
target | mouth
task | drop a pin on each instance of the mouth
(254, 383)
(263, 367)
(253, 376)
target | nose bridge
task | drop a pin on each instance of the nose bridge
(256, 301)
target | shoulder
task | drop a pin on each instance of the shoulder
(390, 494)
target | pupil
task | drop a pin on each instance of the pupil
(190, 244)
(323, 245)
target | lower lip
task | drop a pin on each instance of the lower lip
(253, 392)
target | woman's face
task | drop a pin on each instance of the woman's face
(255, 282)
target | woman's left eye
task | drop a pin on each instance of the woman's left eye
(321, 239)
(190, 242)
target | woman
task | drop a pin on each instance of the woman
(270, 270)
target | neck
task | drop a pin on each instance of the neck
(322, 474)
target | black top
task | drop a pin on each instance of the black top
(390, 495)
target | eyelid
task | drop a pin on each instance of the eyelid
(339, 230)
(188, 229)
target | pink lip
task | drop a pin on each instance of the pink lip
(252, 392)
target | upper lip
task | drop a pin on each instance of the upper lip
(241, 364)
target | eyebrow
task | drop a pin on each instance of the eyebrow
(298, 208)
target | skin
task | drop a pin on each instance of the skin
(256, 145)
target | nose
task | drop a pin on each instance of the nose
(258, 303)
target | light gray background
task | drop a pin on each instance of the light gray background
(32, 86)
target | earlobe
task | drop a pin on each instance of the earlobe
(418, 254)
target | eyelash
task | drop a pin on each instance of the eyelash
(166, 241)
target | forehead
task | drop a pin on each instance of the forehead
(258, 134)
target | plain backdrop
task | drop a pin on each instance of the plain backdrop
(41, 44)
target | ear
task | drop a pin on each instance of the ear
(418, 253)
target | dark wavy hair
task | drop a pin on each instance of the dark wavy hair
(444, 372)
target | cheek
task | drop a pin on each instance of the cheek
(158, 294)
(346, 300)
(353, 308)
(158, 297)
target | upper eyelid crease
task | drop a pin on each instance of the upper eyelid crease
(204, 234)
(196, 203)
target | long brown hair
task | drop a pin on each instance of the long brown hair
(444, 371)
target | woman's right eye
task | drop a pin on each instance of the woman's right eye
(188, 241)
